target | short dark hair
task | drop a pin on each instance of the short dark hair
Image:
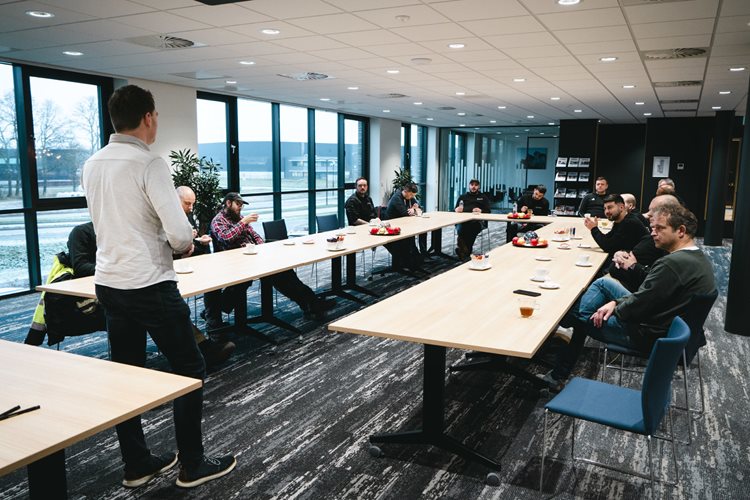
(411, 187)
(128, 105)
(360, 179)
(613, 197)
(541, 188)
(601, 178)
(677, 216)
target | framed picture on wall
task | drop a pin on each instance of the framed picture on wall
(584, 163)
(583, 177)
(532, 158)
(661, 166)
(561, 162)
(560, 176)
(573, 163)
(572, 176)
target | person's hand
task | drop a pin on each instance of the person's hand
(190, 251)
(628, 261)
(460, 208)
(249, 218)
(415, 205)
(195, 233)
(477, 210)
(603, 313)
(204, 240)
(411, 211)
(591, 222)
(524, 209)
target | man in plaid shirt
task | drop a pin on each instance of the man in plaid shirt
(229, 230)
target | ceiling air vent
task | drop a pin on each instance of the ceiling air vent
(445, 108)
(164, 42)
(679, 101)
(679, 83)
(392, 95)
(301, 77)
(663, 55)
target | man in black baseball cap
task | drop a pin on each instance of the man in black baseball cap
(476, 202)
(232, 196)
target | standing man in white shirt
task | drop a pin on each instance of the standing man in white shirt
(139, 224)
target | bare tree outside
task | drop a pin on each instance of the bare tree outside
(9, 144)
(87, 119)
(51, 136)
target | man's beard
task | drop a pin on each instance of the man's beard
(232, 215)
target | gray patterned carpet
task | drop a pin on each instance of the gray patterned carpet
(298, 418)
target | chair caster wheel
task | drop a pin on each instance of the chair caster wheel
(375, 451)
(492, 479)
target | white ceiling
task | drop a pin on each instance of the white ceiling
(556, 49)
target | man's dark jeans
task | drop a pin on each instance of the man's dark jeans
(467, 234)
(159, 310)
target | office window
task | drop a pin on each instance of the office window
(326, 150)
(54, 228)
(294, 211)
(66, 120)
(212, 135)
(261, 205)
(418, 154)
(14, 264)
(294, 157)
(256, 146)
(354, 142)
(327, 202)
(11, 192)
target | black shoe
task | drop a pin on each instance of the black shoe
(324, 305)
(215, 353)
(552, 383)
(145, 470)
(209, 468)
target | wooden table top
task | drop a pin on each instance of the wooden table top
(79, 396)
(478, 310)
(222, 269)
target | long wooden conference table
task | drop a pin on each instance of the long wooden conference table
(78, 397)
(478, 310)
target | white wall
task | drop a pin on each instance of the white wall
(178, 116)
(385, 156)
(433, 169)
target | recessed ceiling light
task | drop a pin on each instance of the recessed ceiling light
(607, 59)
(554, 98)
(402, 18)
(270, 31)
(646, 114)
(519, 80)
(502, 107)
(568, 2)
(461, 114)
(476, 128)
(529, 116)
(386, 111)
(247, 63)
(429, 119)
(525, 130)
(639, 103)
(493, 121)
(499, 133)
(737, 68)
(231, 82)
(393, 71)
(716, 108)
(40, 14)
(456, 45)
(725, 92)
(352, 88)
(460, 93)
(72, 53)
(421, 61)
(462, 125)
(325, 99)
(577, 111)
(628, 86)
(550, 123)
(541, 133)
(417, 103)
(518, 136)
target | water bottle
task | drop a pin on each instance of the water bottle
(461, 204)
(515, 207)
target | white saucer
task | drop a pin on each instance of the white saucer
(534, 278)
(543, 258)
(576, 237)
(245, 252)
(184, 270)
(308, 242)
(549, 285)
(289, 243)
(567, 247)
(588, 264)
(425, 216)
(352, 231)
(336, 249)
(560, 238)
(489, 266)
(584, 245)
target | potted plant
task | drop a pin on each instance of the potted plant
(402, 178)
(202, 176)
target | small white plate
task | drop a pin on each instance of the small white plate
(543, 258)
(584, 245)
(489, 266)
(351, 231)
(538, 280)
(576, 237)
(336, 249)
(253, 252)
(581, 264)
(560, 238)
(184, 270)
(289, 243)
(425, 216)
(308, 242)
(549, 285)
(564, 246)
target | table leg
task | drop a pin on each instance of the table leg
(498, 363)
(266, 311)
(47, 477)
(339, 289)
(436, 245)
(433, 412)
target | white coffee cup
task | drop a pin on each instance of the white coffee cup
(588, 216)
(250, 249)
(541, 274)
(584, 260)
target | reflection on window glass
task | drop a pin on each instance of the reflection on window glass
(354, 131)
(256, 147)
(327, 202)
(293, 129)
(11, 194)
(54, 228)
(66, 132)
(294, 213)
(14, 264)
(326, 150)
(417, 156)
(212, 135)
(261, 205)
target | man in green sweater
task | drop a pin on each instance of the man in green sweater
(608, 312)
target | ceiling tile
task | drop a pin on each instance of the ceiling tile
(287, 30)
(673, 28)
(506, 26)
(657, 13)
(221, 15)
(291, 9)
(432, 32)
(304, 43)
(602, 48)
(100, 8)
(335, 23)
(477, 55)
(674, 42)
(589, 35)
(583, 19)
(465, 10)
(368, 38)
(344, 54)
(522, 40)
(544, 50)
(162, 22)
(545, 6)
(418, 15)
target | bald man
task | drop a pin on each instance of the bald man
(187, 201)
(630, 203)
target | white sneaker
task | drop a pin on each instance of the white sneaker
(564, 334)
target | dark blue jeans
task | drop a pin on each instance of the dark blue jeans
(159, 310)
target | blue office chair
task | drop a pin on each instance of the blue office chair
(626, 409)
(328, 222)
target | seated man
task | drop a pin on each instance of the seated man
(359, 207)
(187, 201)
(626, 229)
(229, 230)
(476, 202)
(82, 249)
(630, 203)
(610, 313)
(536, 204)
(593, 203)
(404, 252)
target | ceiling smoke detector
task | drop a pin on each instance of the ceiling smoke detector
(164, 42)
(300, 77)
(663, 55)
(679, 83)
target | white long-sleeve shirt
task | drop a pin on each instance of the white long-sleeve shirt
(136, 213)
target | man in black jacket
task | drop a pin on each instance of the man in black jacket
(359, 207)
(626, 229)
(593, 203)
(473, 201)
(534, 203)
(404, 252)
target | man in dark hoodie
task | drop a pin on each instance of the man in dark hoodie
(473, 201)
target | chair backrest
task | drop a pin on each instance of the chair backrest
(327, 222)
(657, 380)
(381, 212)
(695, 316)
(275, 230)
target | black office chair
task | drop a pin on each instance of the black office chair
(327, 222)
(275, 230)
